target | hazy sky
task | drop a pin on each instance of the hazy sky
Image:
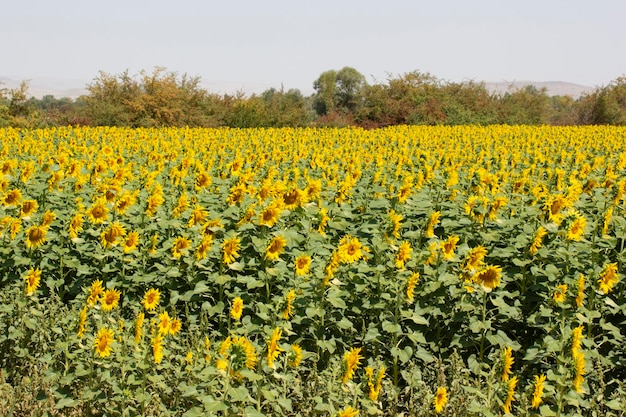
(254, 45)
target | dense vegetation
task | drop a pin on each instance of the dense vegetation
(341, 98)
(410, 270)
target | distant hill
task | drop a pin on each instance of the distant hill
(553, 88)
(40, 87)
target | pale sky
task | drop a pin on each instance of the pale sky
(255, 45)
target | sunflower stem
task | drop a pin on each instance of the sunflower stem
(484, 319)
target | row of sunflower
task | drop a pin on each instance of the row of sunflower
(272, 262)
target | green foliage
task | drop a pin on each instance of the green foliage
(342, 98)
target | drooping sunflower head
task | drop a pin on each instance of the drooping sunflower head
(230, 249)
(237, 308)
(180, 246)
(28, 208)
(303, 263)
(404, 254)
(48, 218)
(275, 248)
(95, 292)
(489, 277)
(560, 293)
(32, 278)
(35, 236)
(131, 242)
(12, 197)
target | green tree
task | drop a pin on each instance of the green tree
(338, 91)
(528, 105)
(606, 105)
(160, 98)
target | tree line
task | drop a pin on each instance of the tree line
(341, 98)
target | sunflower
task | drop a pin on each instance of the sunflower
(374, 387)
(204, 247)
(324, 218)
(153, 243)
(98, 212)
(180, 246)
(164, 323)
(607, 221)
(352, 360)
(181, 206)
(292, 199)
(32, 278)
(237, 308)
(211, 226)
(410, 286)
(510, 395)
(243, 345)
(507, 363)
(433, 250)
(580, 296)
(157, 348)
(577, 336)
(350, 249)
(95, 292)
(348, 412)
(15, 226)
(404, 254)
(110, 236)
(203, 180)
(124, 202)
(302, 264)
(475, 259)
(230, 249)
(295, 356)
(35, 236)
(537, 240)
(131, 242)
(288, 311)
(81, 322)
(139, 327)
(577, 229)
(275, 248)
(608, 278)
(151, 299)
(198, 215)
(236, 194)
(448, 247)
(538, 390)
(28, 208)
(269, 216)
(103, 342)
(12, 197)
(175, 326)
(432, 222)
(441, 399)
(560, 293)
(110, 299)
(273, 350)
(489, 277)
(48, 218)
(76, 225)
(579, 368)
(395, 219)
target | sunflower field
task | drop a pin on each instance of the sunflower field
(405, 271)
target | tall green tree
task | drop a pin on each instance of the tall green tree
(338, 91)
